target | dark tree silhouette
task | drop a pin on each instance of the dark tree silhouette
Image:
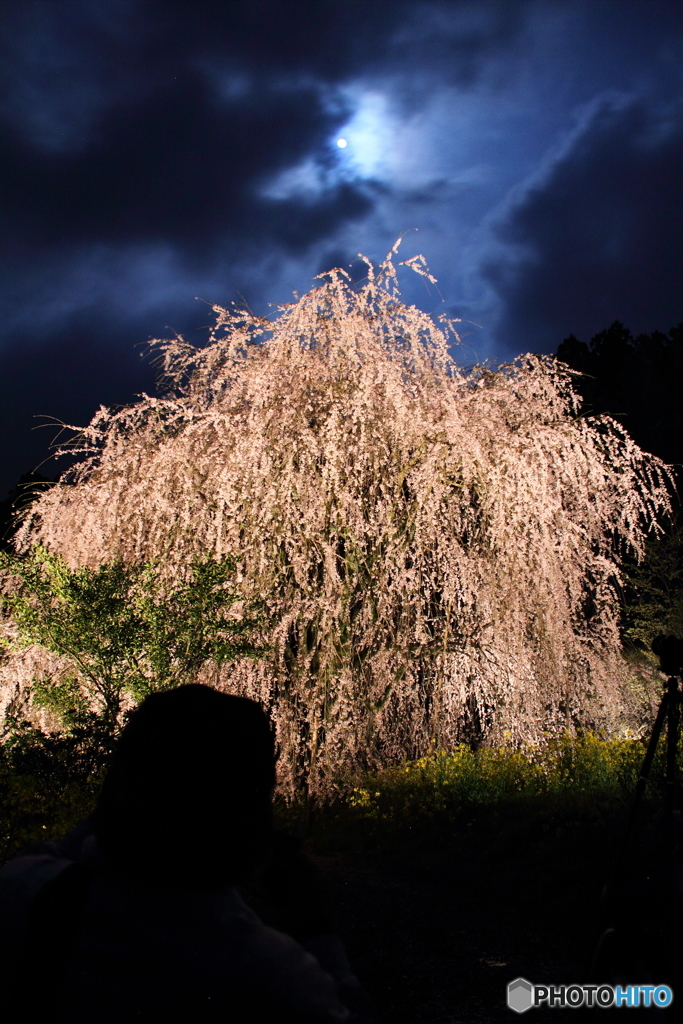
(637, 381)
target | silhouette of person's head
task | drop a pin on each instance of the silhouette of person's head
(187, 799)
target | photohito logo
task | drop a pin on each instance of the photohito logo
(522, 995)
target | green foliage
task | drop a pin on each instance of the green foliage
(48, 781)
(35, 810)
(654, 595)
(65, 698)
(577, 772)
(123, 630)
(125, 633)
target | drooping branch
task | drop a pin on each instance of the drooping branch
(437, 552)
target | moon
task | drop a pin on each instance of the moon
(341, 143)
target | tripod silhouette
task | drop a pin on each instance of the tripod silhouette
(619, 956)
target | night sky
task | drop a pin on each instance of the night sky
(155, 152)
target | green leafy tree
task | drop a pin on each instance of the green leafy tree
(123, 631)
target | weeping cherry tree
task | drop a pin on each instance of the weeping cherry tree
(437, 550)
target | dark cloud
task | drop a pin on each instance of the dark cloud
(107, 45)
(156, 150)
(599, 238)
(173, 118)
(176, 168)
(348, 261)
(64, 379)
(64, 64)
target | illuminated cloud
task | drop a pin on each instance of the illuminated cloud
(152, 153)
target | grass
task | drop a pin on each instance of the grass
(443, 782)
(449, 875)
(48, 785)
(569, 776)
(456, 873)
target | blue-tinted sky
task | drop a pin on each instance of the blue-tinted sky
(157, 151)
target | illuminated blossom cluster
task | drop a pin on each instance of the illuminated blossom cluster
(437, 550)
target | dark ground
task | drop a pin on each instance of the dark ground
(437, 921)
